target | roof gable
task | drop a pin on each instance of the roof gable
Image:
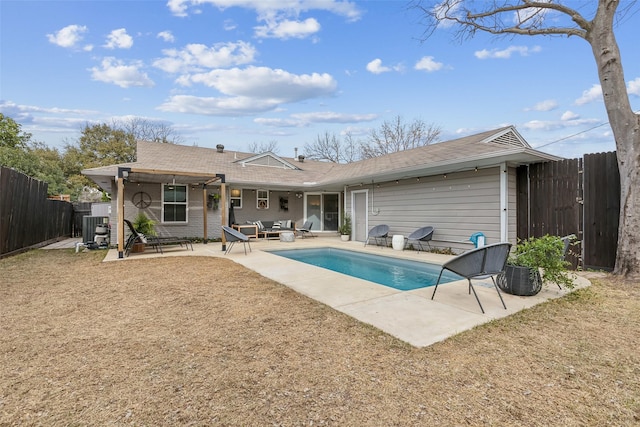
(267, 159)
(508, 137)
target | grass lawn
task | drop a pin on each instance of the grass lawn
(203, 341)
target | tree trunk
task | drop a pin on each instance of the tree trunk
(625, 125)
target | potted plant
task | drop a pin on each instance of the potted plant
(523, 275)
(213, 201)
(345, 228)
(145, 226)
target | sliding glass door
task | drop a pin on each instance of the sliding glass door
(323, 210)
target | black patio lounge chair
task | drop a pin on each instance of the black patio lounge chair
(157, 242)
(305, 229)
(378, 232)
(232, 236)
(423, 234)
(134, 237)
(481, 263)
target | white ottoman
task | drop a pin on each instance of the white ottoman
(287, 236)
(397, 242)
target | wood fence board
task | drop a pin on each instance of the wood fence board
(602, 210)
(27, 217)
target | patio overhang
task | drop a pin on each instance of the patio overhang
(127, 175)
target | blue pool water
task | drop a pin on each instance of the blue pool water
(396, 273)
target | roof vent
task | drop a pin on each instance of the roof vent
(220, 148)
(301, 158)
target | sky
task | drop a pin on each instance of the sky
(256, 72)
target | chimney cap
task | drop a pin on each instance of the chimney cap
(220, 148)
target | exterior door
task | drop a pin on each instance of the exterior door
(323, 210)
(359, 215)
(313, 213)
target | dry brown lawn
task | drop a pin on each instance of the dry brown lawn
(202, 341)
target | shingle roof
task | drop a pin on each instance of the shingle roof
(491, 147)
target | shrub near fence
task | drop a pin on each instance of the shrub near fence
(27, 218)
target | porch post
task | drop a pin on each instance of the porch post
(122, 172)
(223, 208)
(504, 202)
(205, 214)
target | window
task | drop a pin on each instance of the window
(262, 197)
(174, 203)
(236, 198)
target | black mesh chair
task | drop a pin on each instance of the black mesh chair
(480, 263)
(305, 229)
(423, 234)
(378, 232)
(232, 236)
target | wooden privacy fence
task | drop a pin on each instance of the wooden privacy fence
(27, 217)
(577, 196)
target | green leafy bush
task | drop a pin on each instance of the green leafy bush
(547, 253)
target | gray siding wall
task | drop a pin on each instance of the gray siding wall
(457, 206)
(192, 229)
(250, 211)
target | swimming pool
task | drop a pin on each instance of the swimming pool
(400, 274)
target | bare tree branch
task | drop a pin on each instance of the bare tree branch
(396, 135)
(148, 130)
(264, 147)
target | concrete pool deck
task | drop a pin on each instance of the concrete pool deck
(410, 316)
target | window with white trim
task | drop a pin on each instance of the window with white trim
(262, 199)
(235, 197)
(174, 203)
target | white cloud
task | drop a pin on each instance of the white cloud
(117, 72)
(569, 115)
(280, 123)
(211, 106)
(267, 83)
(332, 117)
(549, 125)
(506, 53)
(68, 36)
(229, 25)
(428, 64)
(263, 8)
(633, 87)
(376, 67)
(250, 90)
(305, 119)
(119, 39)
(286, 29)
(590, 95)
(280, 17)
(196, 57)
(546, 105)
(166, 36)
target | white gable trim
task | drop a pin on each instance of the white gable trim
(279, 162)
(508, 137)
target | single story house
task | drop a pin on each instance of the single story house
(459, 187)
